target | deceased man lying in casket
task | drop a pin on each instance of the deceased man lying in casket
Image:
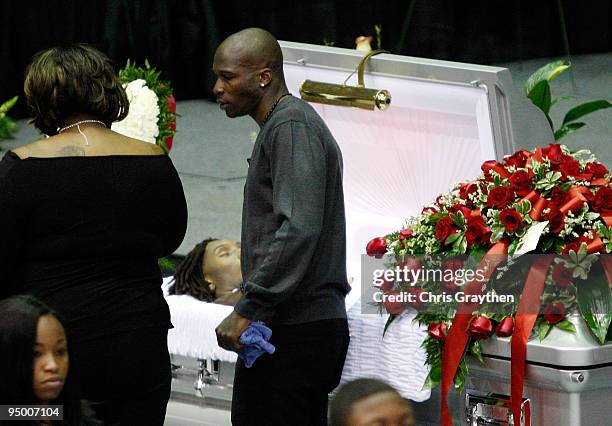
(210, 272)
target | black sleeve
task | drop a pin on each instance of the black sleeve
(172, 217)
(298, 168)
(12, 220)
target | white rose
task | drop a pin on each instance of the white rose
(141, 121)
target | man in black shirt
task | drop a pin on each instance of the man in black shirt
(293, 242)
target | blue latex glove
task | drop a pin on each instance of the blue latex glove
(255, 340)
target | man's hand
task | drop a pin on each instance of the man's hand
(230, 330)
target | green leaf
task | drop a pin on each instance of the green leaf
(540, 96)
(6, 106)
(476, 351)
(584, 109)
(566, 326)
(166, 264)
(544, 330)
(566, 129)
(388, 323)
(594, 299)
(512, 247)
(546, 73)
(451, 238)
(562, 99)
(497, 234)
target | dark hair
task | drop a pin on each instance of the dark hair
(189, 275)
(352, 392)
(20, 315)
(75, 79)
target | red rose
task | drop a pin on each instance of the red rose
(505, 327)
(556, 220)
(437, 330)
(466, 189)
(561, 275)
(477, 231)
(460, 208)
(480, 327)
(394, 306)
(518, 159)
(487, 166)
(569, 167)
(429, 210)
(172, 124)
(520, 180)
(603, 199)
(554, 313)
(406, 233)
(575, 245)
(448, 282)
(410, 263)
(598, 170)
(500, 196)
(386, 285)
(444, 228)
(553, 153)
(557, 196)
(377, 247)
(511, 219)
(415, 300)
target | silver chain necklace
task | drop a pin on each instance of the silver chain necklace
(78, 126)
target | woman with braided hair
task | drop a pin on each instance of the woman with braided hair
(210, 272)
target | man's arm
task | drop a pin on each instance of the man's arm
(298, 168)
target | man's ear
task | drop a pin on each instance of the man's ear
(265, 77)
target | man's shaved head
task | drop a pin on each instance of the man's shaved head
(250, 79)
(253, 47)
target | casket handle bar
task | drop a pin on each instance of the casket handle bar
(494, 410)
(207, 375)
(340, 94)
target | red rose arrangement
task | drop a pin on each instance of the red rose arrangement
(560, 199)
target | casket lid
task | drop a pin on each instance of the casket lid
(444, 121)
(560, 349)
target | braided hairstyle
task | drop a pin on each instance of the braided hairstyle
(189, 276)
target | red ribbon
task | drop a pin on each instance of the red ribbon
(532, 197)
(599, 182)
(595, 245)
(529, 307)
(457, 337)
(576, 199)
(606, 215)
(538, 207)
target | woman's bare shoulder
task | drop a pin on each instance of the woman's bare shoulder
(27, 150)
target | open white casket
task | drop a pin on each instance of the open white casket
(444, 121)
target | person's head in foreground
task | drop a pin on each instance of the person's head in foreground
(369, 402)
(210, 272)
(249, 68)
(65, 84)
(33, 353)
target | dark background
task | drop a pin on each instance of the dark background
(179, 37)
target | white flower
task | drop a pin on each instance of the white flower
(141, 121)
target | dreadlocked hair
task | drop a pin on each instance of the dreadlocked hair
(189, 276)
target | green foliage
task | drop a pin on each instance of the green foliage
(166, 264)
(595, 303)
(378, 31)
(537, 89)
(7, 125)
